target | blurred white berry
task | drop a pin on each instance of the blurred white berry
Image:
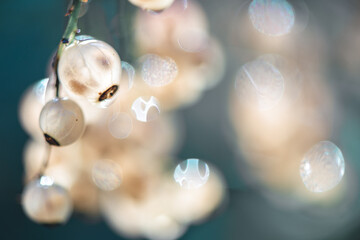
(45, 202)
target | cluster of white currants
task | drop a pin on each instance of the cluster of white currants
(185, 58)
(96, 159)
(88, 68)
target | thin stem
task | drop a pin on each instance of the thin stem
(46, 160)
(68, 37)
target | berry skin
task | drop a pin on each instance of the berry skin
(46, 203)
(91, 69)
(62, 121)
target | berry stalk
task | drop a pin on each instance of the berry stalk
(68, 37)
(46, 161)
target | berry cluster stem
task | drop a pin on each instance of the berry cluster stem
(46, 160)
(68, 37)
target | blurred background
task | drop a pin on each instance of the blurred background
(264, 197)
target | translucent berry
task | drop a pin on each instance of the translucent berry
(91, 69)
(106, 175)
(30, 107)
(45, 202)
(120, 125)
(62, 121)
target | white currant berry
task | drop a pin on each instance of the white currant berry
(45, 202)
(106, 174)
(62, 121)
(30, 107)
(92, 69)
(120, 125)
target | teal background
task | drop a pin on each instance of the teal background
(30, 31)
